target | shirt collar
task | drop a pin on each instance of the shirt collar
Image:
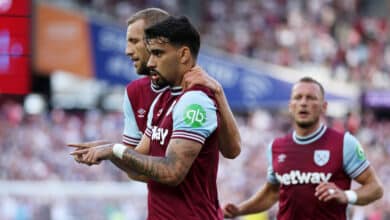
(156, 88)
(311, 137)
(176, 90)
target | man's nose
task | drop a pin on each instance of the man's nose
(303, 101)
(151, 62)
(129, 51)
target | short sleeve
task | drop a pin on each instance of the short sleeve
(131, 133)
(271, 177)
(194, 117)
(354, 159)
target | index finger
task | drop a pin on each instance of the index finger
(77, 145)
(88, 144)
(79, 152)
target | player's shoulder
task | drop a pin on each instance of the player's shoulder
(141, 82)
(201, 89)
(333, 133)
(282, 140)
(138, 87)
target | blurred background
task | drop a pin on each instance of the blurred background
(63, 72)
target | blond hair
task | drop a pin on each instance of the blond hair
(150, 16)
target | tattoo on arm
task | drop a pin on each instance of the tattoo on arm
(170, 169)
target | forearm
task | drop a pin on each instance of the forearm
(127, 169)
(261, 201)
(159, 169)
(371, 188)
(229, 136)
(368, 193)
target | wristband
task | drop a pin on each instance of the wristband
(351, 196)
(118, 150)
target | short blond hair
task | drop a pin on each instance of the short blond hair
(308, 79)
(150, 16)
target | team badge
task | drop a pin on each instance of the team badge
(321, 157)
(141, 113)
(194, 116)
(281, 158)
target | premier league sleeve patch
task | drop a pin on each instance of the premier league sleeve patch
(360, 153)
(354, 159)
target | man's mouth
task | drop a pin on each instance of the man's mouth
(154, 75)
(303, 113)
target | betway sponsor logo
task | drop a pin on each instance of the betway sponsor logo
(298, 177)
(159, 134)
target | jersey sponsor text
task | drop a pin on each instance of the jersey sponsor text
(298, 177)
(159, 134)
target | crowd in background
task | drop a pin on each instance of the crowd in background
(335, 37)
(33, 147)
(348, 40)
(342, 39)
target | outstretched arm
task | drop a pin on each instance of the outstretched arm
(264, 199)
(142, 148)
(229, 136)
(170, 169)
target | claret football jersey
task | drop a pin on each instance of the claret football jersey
(299, 164)
(138, 97)
(190, 115)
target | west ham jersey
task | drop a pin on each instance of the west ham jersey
(138, 97)
(190, 115)
(299, 164)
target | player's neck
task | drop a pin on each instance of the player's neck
(183, 69)
(303, 132)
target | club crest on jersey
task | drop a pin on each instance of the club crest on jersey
(321, 157)
(141, 113)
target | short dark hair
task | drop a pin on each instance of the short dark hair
(308, 79)
(150, 16)
(178, 31)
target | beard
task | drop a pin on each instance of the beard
(143, 70)
(307, 124)
(160, 82)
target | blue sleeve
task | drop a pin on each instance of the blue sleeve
(271, 178)
(131, 133)
(194, 117)
(354, 159)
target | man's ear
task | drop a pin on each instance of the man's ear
(324, 107)
(184, 54)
